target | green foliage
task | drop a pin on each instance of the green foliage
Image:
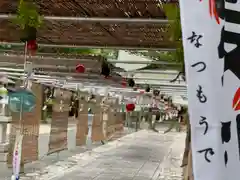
(5, 46)
(27, 15)
(107, 53)
(173, 14)
(168, 56)
(179, 55)
(79, 51)
(155, 55)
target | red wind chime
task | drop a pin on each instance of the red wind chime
(124, 83)
(130, 107)
(32, 46)
(80, 68)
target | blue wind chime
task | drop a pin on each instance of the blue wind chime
(21, 100)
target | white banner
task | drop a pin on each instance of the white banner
(211, 36)
(17, 155)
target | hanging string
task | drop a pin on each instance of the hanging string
(25, 80)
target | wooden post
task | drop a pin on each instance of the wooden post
(187, 146)
(187, 157)
(190, 169)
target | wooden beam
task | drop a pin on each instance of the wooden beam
(88, 63)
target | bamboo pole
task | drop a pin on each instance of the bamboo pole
(97, 19)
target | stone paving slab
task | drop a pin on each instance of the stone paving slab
(137, 156)
(52, 160)
(144, 155)
(170, 167)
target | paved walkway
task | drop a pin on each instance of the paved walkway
(143, 155)
(51, 160)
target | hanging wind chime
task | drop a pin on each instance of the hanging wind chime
(105, 70)
(80, 68)
(135, 88)
(32, 47)
(29, 38)
(29, 20)
(124, 83)
(147, 89)
(23, 100)
(131, 82)
(130, 107)
(156, 92)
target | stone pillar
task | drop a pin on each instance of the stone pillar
(149, 120)
(3, 138)
(7, 111)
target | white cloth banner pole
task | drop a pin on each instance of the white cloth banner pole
(213, 138)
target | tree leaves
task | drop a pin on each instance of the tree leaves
(107, 53)
(78, 51)
(172, 12)
(27, 15)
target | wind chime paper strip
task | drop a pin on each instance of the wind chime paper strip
(82, 129)
(111, 122)
(119, 121)
(59, 124)
(30, 131)
(82, 123)
(97, 123)
(211, 60)
(97, 128)
(58, 134)
(30, 127)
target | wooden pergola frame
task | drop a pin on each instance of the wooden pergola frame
(126, 24)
